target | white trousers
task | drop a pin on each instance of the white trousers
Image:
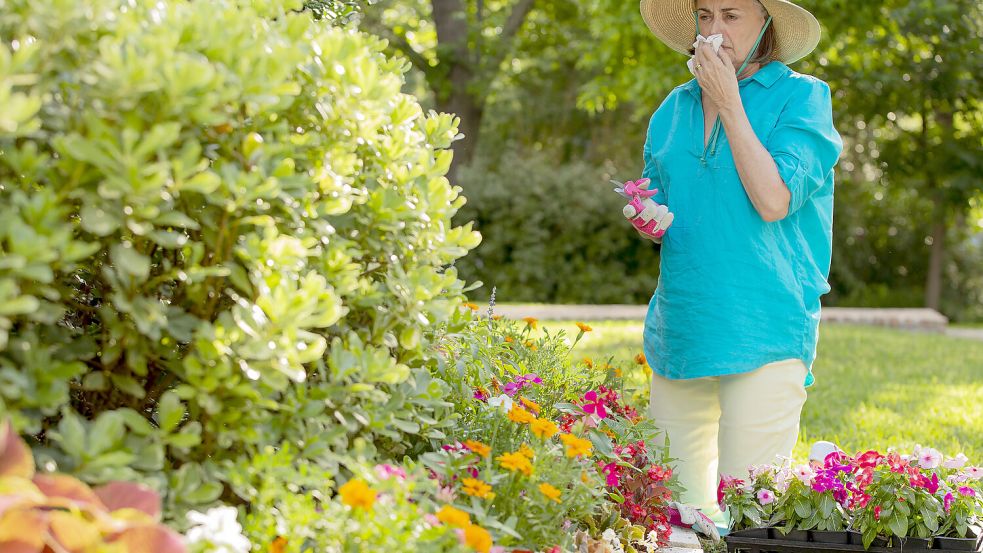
(723, 424)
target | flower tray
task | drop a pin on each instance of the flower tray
(766, 540)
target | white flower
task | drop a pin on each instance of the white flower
(929, 458)
(651, 542)
(804, 473)
(503, 401)
(974, 472)
(611, 540)
(956, 462)
(219, 529)
(782, 477)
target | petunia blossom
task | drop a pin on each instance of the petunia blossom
(929, 458)
(956, 462)
(503, 401)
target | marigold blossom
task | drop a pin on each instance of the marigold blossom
(583, 327)
(477, 447)
(478, 538)
(477, 488)
(452, 516)
(531, 322)
(515, 462)
(357, 494)
(530, 404)
(520, 415)
(543, 428)
(576, 446)
(550, 492)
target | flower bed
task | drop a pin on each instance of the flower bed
(869, 501)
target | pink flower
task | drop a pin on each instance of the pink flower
(974, 472)
(929, 458)
(611, 470)
(431, 519)
(967, 491)
(804, 473)
(947, 501)
(877, 512)
(387, 471)
(956, 462)
(594, 405)
(765, 497)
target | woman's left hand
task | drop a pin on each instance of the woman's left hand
(716, 77)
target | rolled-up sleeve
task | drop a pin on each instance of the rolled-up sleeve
(651, 168)
(804, 143)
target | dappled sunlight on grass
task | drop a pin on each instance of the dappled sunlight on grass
(875, 387)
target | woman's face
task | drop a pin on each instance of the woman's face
(740, 22)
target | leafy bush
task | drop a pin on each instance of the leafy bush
(553, 234)
(222, 229)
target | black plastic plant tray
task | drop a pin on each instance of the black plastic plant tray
(737, 544)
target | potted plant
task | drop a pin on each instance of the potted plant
(898, 502)
(962, 503)
(749, 508)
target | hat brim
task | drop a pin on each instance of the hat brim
(797, 31)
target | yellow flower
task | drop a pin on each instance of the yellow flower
(583, 477)
(531, 321)
(477, 488)
(529, 344)
(543, 428)
(520, 415)
(589, 362)
(496, 317)
(583, 327)
(576, 446)
(617, 372)
(477, 447)
(532, 405)
(357, 494)
(647, 370)
(478, 538)
(550, 492)
(527, 451)
(515, 462)
(471, 306)
(453, 517)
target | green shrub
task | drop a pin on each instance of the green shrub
(222, 228)
(553, 234)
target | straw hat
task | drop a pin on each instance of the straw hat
(796, 30)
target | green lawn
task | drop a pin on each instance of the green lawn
(875, 387)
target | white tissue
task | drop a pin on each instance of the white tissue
(715, 41)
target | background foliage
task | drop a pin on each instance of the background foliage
(582, 78)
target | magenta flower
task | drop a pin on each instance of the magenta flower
(480, 395)
(947, 501)
(387, 471)
(513, 388)
(594, 405)
(532, 378)
(967, 491)
(611, 470)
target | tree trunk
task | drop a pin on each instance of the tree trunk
(933, 284)
(461, 104)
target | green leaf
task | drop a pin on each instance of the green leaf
(170, 411)
(107, 430)
(131, 261)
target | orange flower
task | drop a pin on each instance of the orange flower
(550, 492)
(508, 339)
(496, 317)
(477, 447)
(278, 544)
(531, 345)
(527, 451)
(617, 372)
(589, 362)
(357, 494)
(478, 538)
(453, 517)
(477, 488)
(471, 306)
(576, 446)
(583, 327)
(640, 359)
(515, 462)
(543, 428)
(531, 405)
(520, 415)
(532, 322)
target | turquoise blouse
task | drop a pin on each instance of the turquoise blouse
(736, 292)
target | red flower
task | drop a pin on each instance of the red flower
(877, 512)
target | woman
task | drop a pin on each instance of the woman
(743, 158)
